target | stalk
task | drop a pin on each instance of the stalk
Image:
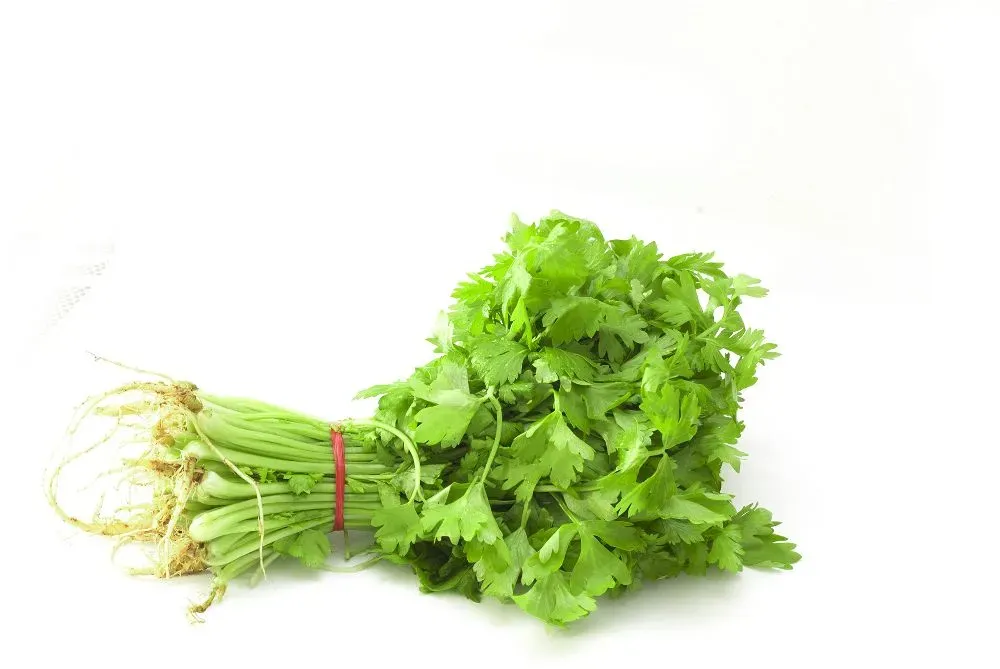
(228, 482)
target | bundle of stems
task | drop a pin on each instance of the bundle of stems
(231, 483)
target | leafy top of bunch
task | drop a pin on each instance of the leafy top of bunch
(574, 425)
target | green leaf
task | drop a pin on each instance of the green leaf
(699, 507)
(468, 517)
(522, 476)
(404, 480)
(597, 569)
(637, 259)
(450, 386)
(600, 398)
(521, 322)
(617, 533)
(260, 474)
(627, 438)
(443, 335)
(514, 282)
(549, 448)
(659, 564)
(354, 485)
(569, 251)
(550, 556)
(380, 389)
(694, 558)
(637, 292)
(673, 412)
(748, 286)
(554, 364)
(551, 600)
(573, 318)
(520, 390)
(653, 495)
(672, 312)
(500, 583)
(497, 361)
(679, 531)
(311, 547)
(620, 331)
(302, 484)
(715, 438)
(682, 289)
(701, 263)
(475, 291)
(727, 551)
(454, 406)
(593, 504)
(772, 552)
(398, 524)
(746, 369)
(487, 556)
(443, 424)
(574, 408)
(762, 546)
(566, 454)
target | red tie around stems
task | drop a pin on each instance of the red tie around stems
(337, 442)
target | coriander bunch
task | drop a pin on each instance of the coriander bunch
(570, 439)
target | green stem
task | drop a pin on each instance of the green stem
(279, 424)
(372, 477)
(715, 325)
(214, 486)
(244, 531)
(408, 444)
(239, 551)
(233, 569)
(252, 406)
(525, 512)
(209, 524)
(282, 465)
(562, 505)
(193, 420)
(585, 487)
(496, 437)
(232, 435)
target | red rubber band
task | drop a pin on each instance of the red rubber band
(337, 443)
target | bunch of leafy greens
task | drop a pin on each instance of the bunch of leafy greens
(568, 441)
(574, 427)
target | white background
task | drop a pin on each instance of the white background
(275, 199)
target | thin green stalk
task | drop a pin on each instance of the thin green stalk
(579, 487)
(496, 437)
(217, 486)
(525, 512)
(210, 524)
(244, 530)
(240, 550)
(407, 444)
(252, 406)
(278, 464)
(260, 504)
(562, 505)
(233, 569)
(227, 434)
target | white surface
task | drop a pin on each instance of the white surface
(288, 195)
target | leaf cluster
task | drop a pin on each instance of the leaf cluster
(575, 424)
